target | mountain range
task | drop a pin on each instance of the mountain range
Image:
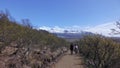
(76, 31)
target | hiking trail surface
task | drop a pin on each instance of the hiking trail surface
(69, 61)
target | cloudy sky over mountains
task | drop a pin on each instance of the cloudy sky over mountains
(66, 15)
(104, 29)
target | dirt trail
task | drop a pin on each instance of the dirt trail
(69, 61)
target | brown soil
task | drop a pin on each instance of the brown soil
(69, 61)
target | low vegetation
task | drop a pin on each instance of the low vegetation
(99, 51)
(22, 46)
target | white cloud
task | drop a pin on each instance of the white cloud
(45, 28)
(58, 29)
(55, 29)
(104, 29)
(101, 29)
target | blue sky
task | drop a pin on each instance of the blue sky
(63, 12)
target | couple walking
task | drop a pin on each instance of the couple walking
(74, 48)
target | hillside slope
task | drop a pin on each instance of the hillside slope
(21, 46)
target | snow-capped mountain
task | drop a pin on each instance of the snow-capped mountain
(57, 29)
(104, 29)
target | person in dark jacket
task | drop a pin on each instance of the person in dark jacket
(71, 48)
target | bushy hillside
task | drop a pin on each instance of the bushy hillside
(25, 46)
(100, 51)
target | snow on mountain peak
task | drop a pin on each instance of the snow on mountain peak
(104, 29)
(57, 29)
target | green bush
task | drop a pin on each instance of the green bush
(25, 35)
(99, 51)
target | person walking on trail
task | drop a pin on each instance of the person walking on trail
(71, 48)
(76, 49)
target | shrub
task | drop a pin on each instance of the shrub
(99, 51)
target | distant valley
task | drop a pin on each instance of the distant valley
(72, 36)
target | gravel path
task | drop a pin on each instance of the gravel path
(69, 61)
